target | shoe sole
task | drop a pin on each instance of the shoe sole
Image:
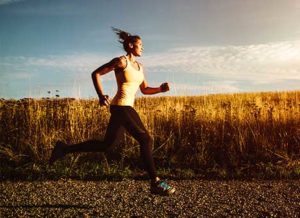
(167, 193)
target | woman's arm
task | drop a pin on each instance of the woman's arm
(146, 90)
(104, 69)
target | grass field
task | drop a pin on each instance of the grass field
(224, 135)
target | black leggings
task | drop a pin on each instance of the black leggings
(122, 117)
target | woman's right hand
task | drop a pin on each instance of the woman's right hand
(104, 100)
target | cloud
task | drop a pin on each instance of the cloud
(79, 64)
(297, 4)
(33, 76)
(75, 62)
(208, 87)
(259, 64)
(190, 70)
(6, 2)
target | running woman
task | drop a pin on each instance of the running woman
(129, 76)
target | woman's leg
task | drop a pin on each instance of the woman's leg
(136, 128)
(113, 134)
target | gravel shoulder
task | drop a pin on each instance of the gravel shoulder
(132, 198)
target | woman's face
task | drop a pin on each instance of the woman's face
(137, 48)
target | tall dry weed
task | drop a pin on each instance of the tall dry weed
(197, 132)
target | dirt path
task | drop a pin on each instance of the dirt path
(131, 198)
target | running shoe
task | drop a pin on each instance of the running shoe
(58, 152)
(161, 187)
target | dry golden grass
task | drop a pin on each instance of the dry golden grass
(197, 132)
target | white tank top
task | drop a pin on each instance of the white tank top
(128, 82)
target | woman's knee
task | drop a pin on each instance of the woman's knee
(107, 143)
(146, 139)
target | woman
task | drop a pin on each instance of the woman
(129, 75)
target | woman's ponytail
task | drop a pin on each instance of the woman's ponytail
(125, 38)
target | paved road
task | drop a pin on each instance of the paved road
(131, 198)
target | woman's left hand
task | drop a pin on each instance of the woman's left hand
(164, 87)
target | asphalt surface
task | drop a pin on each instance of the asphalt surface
(132, 198)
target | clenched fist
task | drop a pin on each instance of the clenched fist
(164, 87)
(104, 100)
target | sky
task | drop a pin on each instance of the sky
(50, 47)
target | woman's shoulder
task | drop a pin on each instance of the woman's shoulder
(119, 62)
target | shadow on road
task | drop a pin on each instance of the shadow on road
(64, 206)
